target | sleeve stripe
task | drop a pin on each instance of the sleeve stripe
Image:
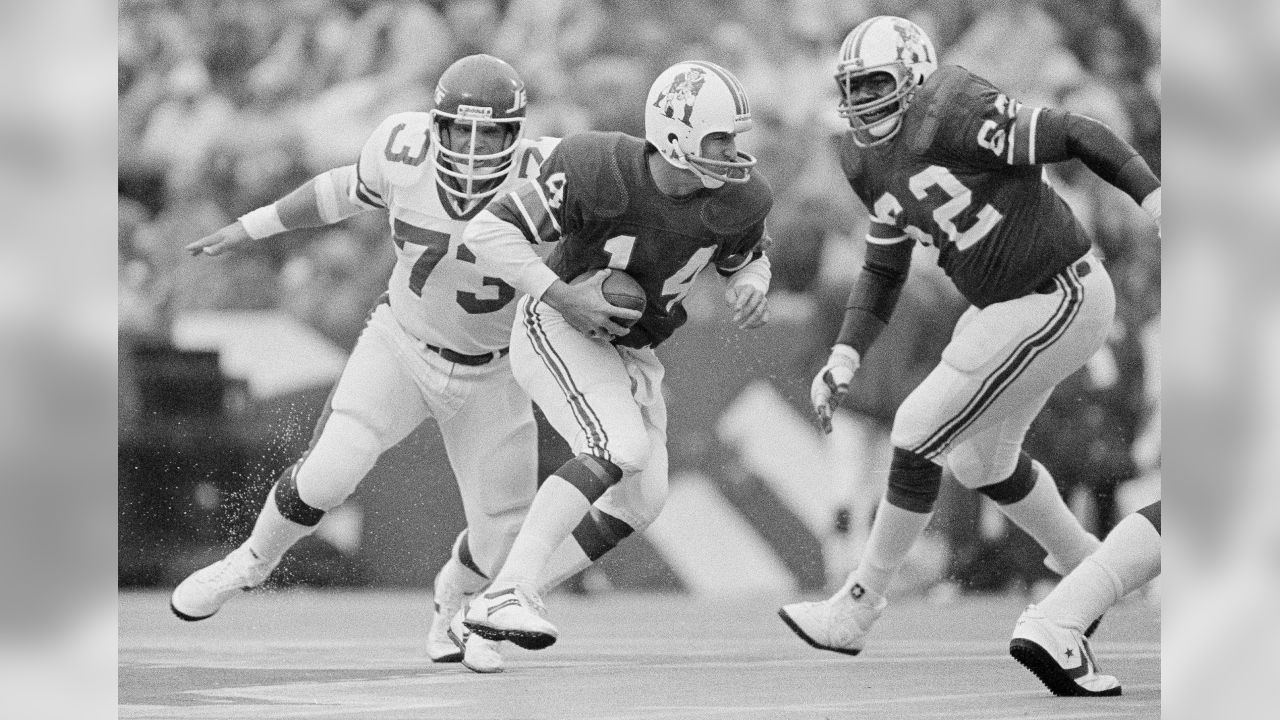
(1031, 136)
(530, 229)
(1022, 136)
(1013, 138)
(537, 187)
(366, 194)
(363, 195)
(885, 241)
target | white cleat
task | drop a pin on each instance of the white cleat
(840, 623)
(478, 654)
(205, 591)
(449, 597)
(514, 614)
(1059, 656)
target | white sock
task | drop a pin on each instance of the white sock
(1127, 560)
(455, 574)
(556, 511)
(1045, 516)
(568, 560)
(273, 534)
(892, 534)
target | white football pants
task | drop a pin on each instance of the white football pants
(1000, 367)
(390, 385)
(604, 401)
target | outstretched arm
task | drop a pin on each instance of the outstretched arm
(1063, 135)
(322, 200)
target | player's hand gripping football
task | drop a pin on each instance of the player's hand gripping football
(750, 306)
(228, 238)
(832, 383)
(583, 305)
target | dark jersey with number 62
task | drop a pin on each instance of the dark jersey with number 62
(962, 176)
(595, 194)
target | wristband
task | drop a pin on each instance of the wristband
(263, 222)
(848, 354)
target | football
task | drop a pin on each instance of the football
(622, 290)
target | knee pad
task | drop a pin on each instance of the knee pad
(914, 481)
(290, 505)
(1017, 486)
(590, 475)
(600, 532)
(344, 453)
(1152, 513)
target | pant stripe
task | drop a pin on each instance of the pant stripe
(597, 439)
(1018, 361)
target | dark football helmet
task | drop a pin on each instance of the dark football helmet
(474, 92)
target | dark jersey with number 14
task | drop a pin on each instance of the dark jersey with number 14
(962, 175)
(595, 195)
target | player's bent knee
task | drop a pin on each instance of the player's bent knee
(345, 453)
(974, 469)
(290, 504)
(914, 481)
(591, 475)
(630, 454)
(1016, 486)
(912, 424)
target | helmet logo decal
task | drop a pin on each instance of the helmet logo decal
(519, 100)
(677, 100)
(912, 49)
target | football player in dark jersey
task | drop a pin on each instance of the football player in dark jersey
(941, 157)
(660, 211)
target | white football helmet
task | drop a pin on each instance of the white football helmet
(883, 44)
(689, 101)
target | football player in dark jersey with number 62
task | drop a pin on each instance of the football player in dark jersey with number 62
(941, 157)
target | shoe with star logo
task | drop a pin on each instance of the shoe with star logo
(1060, 656)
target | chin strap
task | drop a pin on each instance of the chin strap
(708, 181)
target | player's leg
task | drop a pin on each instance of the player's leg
(841, 622)
(631, 505)
(992, 462)
(1001, 359)
(584, 390)
(1048, 639)
(374, 405)
(492, 442)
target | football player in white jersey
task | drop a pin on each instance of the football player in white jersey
(435, 344)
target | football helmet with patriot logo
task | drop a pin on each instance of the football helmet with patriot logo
(476, 92)
(689, 101)
(882, 62)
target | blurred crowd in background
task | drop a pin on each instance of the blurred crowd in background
(225, 105)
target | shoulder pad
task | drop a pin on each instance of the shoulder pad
(733, 209)
(594, 168)
(944, 98)
(401, 145)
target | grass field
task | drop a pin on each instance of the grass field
(334, 655)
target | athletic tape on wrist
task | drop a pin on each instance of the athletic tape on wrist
(263, 222)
